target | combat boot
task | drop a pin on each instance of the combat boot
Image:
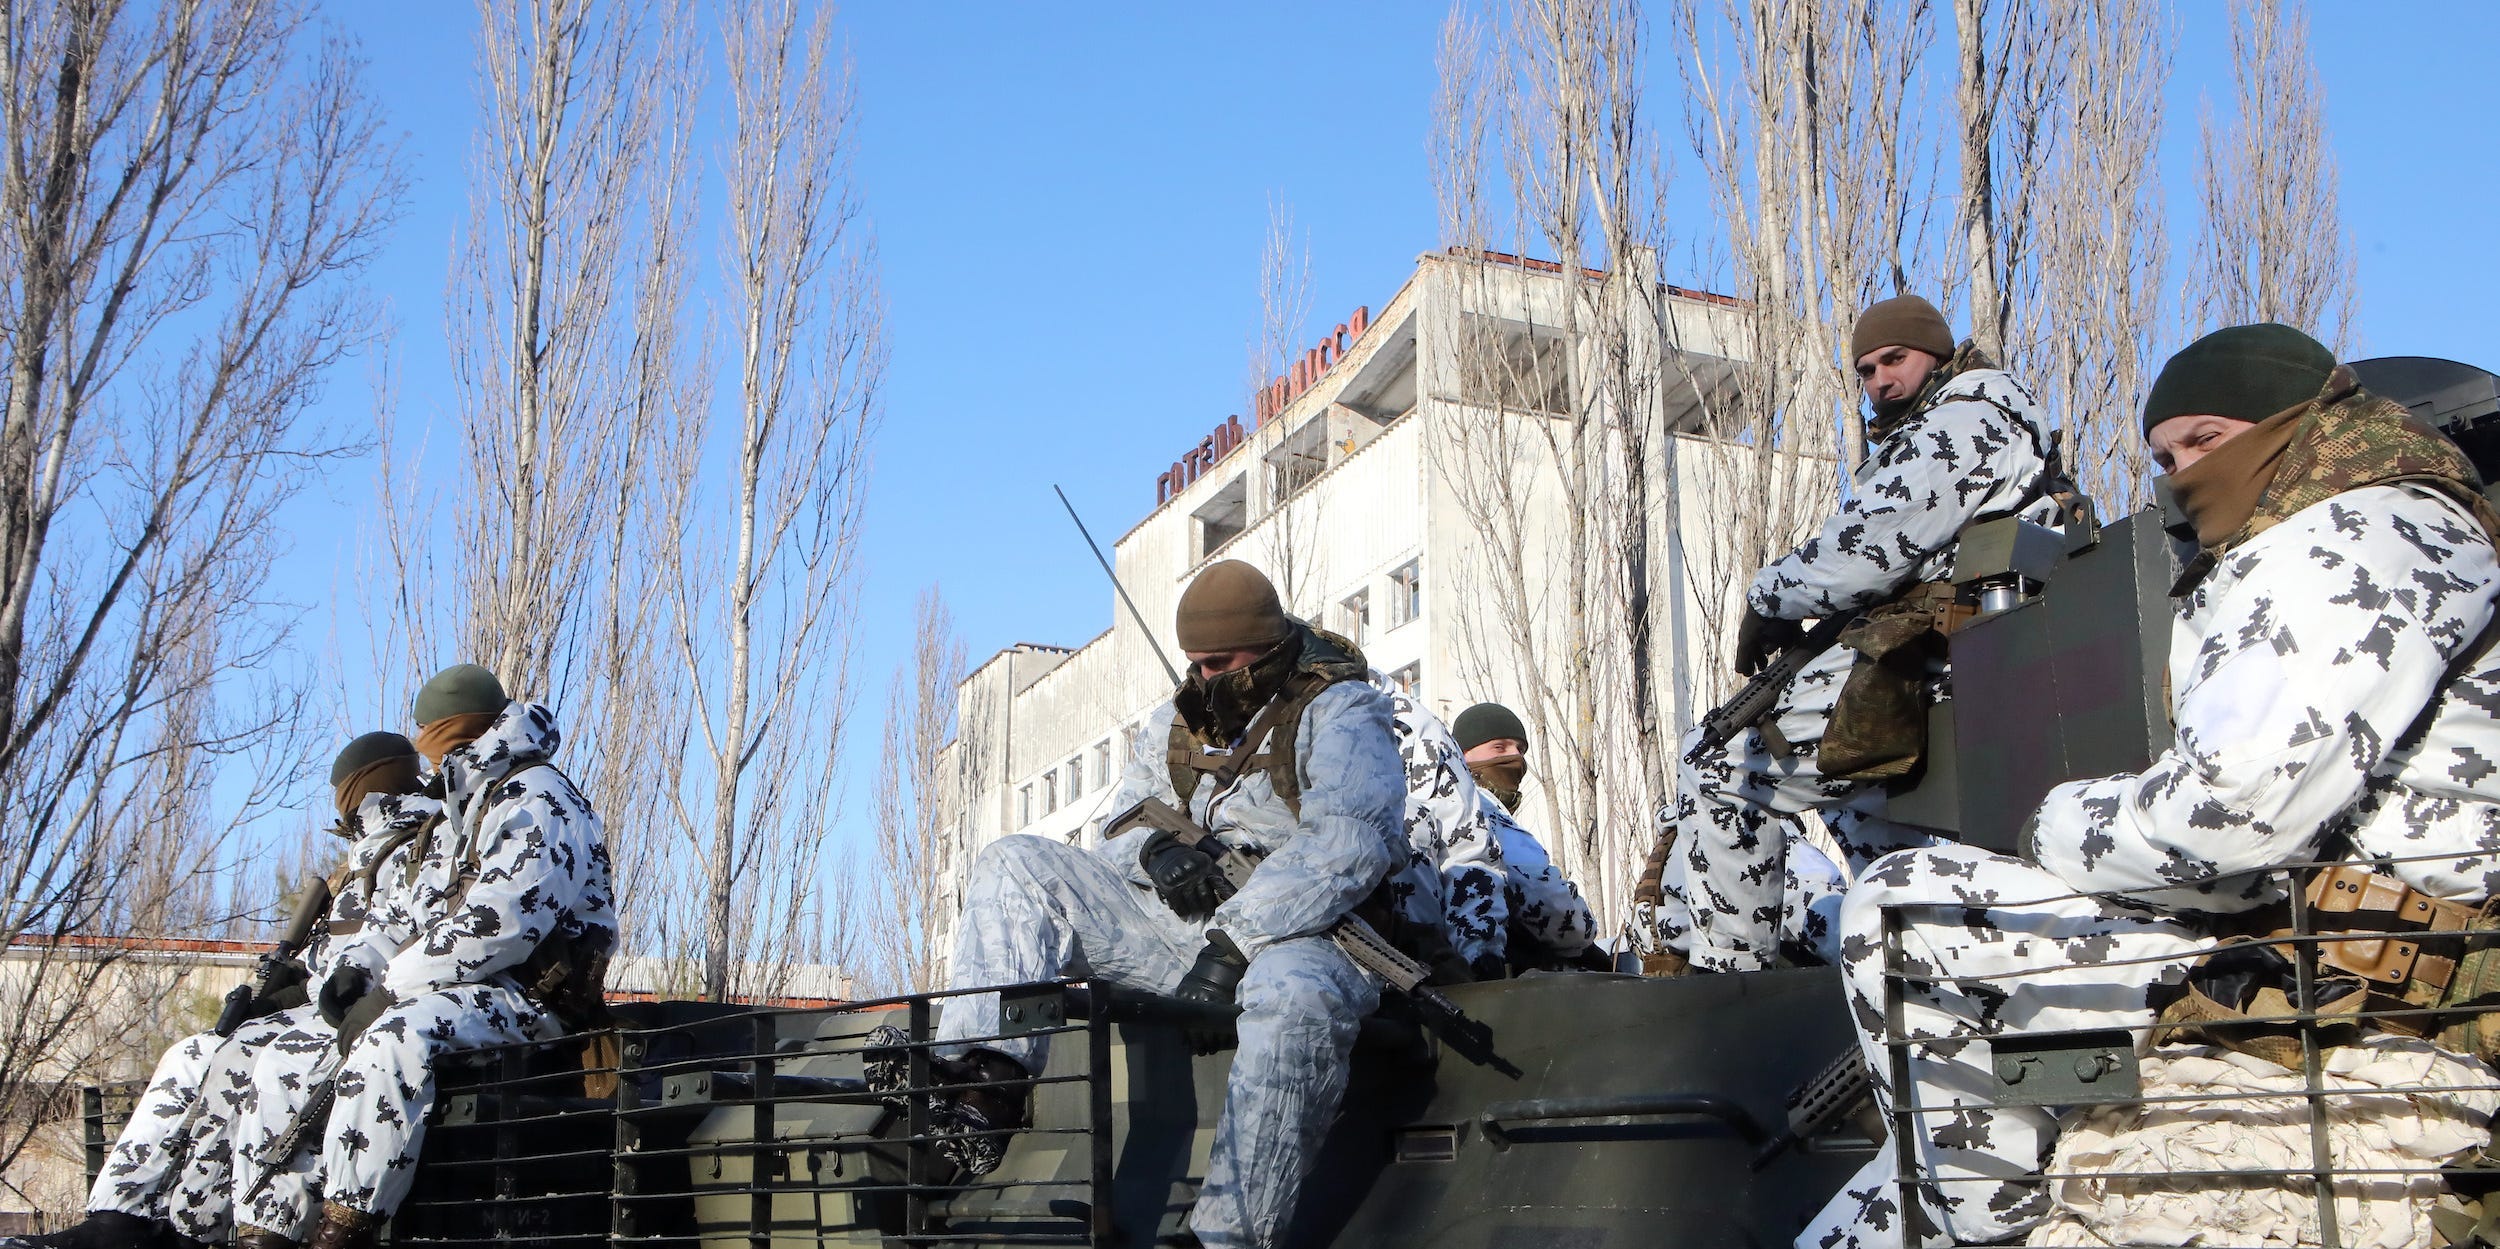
(1666, 965)
(343, 1227)
(250, 1237)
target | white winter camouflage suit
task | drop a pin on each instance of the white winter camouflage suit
(283, 1075)
(1453, 874)
(1976, 447)
(190, 1181)
(1035, 905)
(2297, 668)
(1546, 910)
(542, 868)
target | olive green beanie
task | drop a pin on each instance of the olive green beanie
(1231, 606)
(460, 689)
(1902, 321)
(2245, 372)
(370, 749)
(1486, 722)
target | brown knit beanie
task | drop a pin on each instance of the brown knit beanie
(1902, 321)
(1231, 606)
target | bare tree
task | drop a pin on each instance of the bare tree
(2273, 245)
(565, 324)
(1559, 425)
(775, 589)
(2093, 311)
(189, 192)
(917, 802)
(1289, 546)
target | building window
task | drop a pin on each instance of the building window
(1354, 616)
(1102, 762)
(1410, 680)
(1513, 366)
(1076, 778)
(1024, 806)
(1223, 516)
(1050, 792)
(1406, 593)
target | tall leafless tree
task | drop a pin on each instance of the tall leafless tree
(762, 607)
(532, 556)
(189, 192)
(918, 802)
(2273, 246)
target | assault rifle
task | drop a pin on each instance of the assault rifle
(1361, 942)
(1836, 1093)
(1746, 707)
(273, 967)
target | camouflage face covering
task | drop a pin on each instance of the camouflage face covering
(2348, 439)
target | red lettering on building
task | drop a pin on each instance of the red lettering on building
(1301, 375)
(1195, 462)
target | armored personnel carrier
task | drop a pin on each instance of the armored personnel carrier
(1705, 1111)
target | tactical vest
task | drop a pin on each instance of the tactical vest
(1267, 745)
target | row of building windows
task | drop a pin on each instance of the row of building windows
(1406, 603)
(1084, 773)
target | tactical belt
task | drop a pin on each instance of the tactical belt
(2380, 930)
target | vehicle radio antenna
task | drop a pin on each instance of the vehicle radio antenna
(1138, 616)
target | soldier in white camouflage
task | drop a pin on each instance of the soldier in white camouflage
(171, 1176)
(514, 889)
(1956, 440)
(1550, 924)
(1452, 883)
(1278, 745)
(382, 915)
(2333, 692)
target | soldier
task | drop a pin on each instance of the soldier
(2333, 696)
(514, 887)
(1956, 441)
(1550, 924)
(376, 917)
(170, 1177)
(1277, 744)
(1450, 894)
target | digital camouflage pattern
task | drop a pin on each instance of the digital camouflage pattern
(1454, 875)
(2316, 708)
(169, 1163)
(1548, 919)
(539, 863)
(1976, 444)
(283, 1074)
(1034, 906)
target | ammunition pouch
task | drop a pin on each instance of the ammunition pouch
(2388, 955)
(1878, 729)
(568, 975)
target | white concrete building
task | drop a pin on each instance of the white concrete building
(1351, 490)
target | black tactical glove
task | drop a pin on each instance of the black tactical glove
(1489, 967)
(1187, 878)
(286, 987)
(361, 1015)
(1213, 981)
(346, 986)
(1760, 637)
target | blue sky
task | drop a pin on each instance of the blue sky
(1069, 203)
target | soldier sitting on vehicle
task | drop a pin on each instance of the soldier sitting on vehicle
(381, 801)
(514, 886)
(2333, 696)
(1550, 924)
(1449, 895)
(1277, 744)
(1956, 441)
(170, 1178)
